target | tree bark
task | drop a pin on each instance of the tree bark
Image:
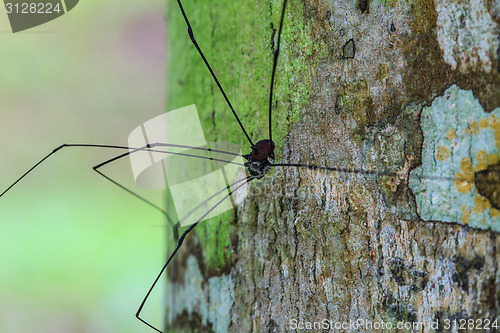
(406, 88)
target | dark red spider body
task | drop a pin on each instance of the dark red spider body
(262, 150)
(261, 158)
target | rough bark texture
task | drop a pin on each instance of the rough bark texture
(361, 84)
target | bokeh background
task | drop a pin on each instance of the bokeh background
(77, 254)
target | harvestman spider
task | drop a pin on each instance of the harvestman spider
(259, 161)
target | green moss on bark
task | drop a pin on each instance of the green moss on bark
(238, 39)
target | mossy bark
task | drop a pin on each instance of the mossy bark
(353, 79)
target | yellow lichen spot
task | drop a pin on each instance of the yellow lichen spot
(451, 134)
(494, 212)
(482, 160)
(465, 215)
(493, 159)
(465, 179)
(493, 121)
(482, 204)
(473, 127)
(495, 126)
(442, 153)
(483, 123)
(466, 167)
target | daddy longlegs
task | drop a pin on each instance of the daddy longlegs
(259, 161)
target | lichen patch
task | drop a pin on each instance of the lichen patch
(457, 144)
(211, 301)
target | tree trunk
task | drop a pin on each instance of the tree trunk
(409, 89)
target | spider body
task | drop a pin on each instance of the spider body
(261, 159)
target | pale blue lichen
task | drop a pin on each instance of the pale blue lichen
(460, 138)
(213, 307)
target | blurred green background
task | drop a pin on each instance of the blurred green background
(78, 254)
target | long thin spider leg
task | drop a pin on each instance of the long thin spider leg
(152, 145)
(131, 149)
(160, 144)
(213, 196)
(317, 167)
(191, 35)
(136, 195)
(100, 165)
(50, 154)
(175, 226)
(182, 154)
(368, 172)
(275, 62)
(179, 243)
